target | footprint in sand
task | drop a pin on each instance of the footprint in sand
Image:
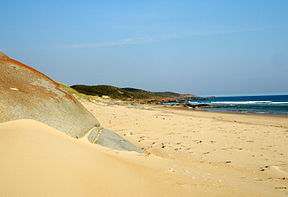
(277, 171)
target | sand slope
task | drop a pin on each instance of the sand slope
(37, 160)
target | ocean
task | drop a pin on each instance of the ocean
(270, 104)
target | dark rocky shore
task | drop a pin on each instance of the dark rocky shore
(191, 106)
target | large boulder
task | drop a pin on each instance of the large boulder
(29, 94)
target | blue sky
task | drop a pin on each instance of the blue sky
(205, 47)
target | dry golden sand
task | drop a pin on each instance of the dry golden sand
(190, 153)
(37, 160)
(221, 154)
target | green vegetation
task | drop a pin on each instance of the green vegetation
(68, 89)
(123, 93)
(75, 93)
(103, 90)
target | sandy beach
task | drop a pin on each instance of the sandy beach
(219, 154)
(144, 98)
(188, 153)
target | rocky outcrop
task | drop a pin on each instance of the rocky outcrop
(2, 55)
(190, 105)
(29, 94)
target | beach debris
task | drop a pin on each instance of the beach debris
(281, 187)
(199, 142)
(228, 161)
(16, 89)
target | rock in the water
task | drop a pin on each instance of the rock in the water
(190, 105)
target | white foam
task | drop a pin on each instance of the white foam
(246, 102)
(193, 102)
(240, 102)
(280, 102)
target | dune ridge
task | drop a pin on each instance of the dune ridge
(37, 160)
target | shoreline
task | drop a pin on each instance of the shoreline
(255, 117)
(265, 104)
(243, 154)
(187, 153)
(205, 110)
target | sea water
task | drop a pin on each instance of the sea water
(272, 104)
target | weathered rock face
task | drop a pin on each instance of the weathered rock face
(105, 137)
(2, 55)
(28, 94)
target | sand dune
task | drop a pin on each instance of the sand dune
(37, 160)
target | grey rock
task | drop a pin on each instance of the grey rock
(29, 94)
(26, 93)
(112, 140)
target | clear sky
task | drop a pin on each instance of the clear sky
(205, 47)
